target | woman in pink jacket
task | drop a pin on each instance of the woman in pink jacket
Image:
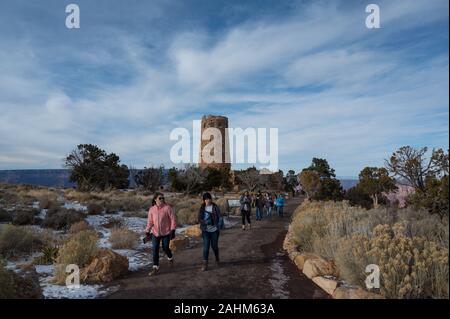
(161, 223)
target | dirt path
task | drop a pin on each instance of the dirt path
(253, 266)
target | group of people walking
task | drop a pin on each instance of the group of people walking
(266, 203)
(162, 223)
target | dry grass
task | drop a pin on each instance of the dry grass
(410, 247)
(95, 207)
(123, 238)
(186, 216)
(18, 241)
(80, 226)
(62, 218)
(79, 250)
(112, 201)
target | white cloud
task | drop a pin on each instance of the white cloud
(371, 100)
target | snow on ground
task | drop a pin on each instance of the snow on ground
(136, 259)
(103, 242)
(75, 205)
(97, 221)
(229, 223)
(135, 224)
(279, 279)
(53, 291)
(44, 269)
(43, 213)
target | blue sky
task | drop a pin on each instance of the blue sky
(135, 70)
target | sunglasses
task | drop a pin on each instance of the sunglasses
(160, 198)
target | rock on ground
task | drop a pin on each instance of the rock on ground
(106, 266)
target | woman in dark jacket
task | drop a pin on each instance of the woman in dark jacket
(246, 207)
(209, 218)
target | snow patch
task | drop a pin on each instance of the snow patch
(136, 259)
(279, 280)
(75, 205)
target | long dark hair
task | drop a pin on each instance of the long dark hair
(205, 197)
(155, 196)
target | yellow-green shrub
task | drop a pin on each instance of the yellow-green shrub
(79, 250)
(186, 216)
(409, 267)
(410, 247)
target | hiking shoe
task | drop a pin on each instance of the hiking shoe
(154, 271)
(205, 266)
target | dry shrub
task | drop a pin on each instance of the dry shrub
(123, 238)
(79, 226)
(112, 206)
(95, 208)
(78, 196)
(18, 240)
(186, 216)
(47, 200)
(24, 217)
(62, 218)
(410, 247)
(409, 267)
(79, 250)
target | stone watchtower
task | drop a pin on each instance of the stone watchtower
(221, 123)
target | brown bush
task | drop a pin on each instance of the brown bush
(24, 217)
(62, 218)
(409, 267)
(186, 216)
(79, 226)
(410, 247)
(79, 250)
(95, 208)
(46, 201)
(123, 238)
(18, 240)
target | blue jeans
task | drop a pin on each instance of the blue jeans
(210, 239)
(269, 211)
(156, 241)
(280, 211)
(258, 213)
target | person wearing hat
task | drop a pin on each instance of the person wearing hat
(209, 218)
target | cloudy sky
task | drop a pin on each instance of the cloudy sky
(135, 70)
